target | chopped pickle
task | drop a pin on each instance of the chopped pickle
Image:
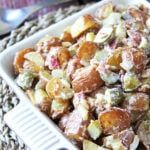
(113, 96)
(25, 80)
(94, 129)
(130, 81)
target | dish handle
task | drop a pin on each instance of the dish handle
(35, 129)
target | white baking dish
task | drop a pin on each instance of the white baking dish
(36, 130)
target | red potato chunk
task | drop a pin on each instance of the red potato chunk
(123, 140)
(87, 50)
(83, 24)
(115, 59)
(114, 120)
(63, 121)
(133, 59)
(138, 15)
(86, 80)
(19, 59)
(138, 102)
(76, 127)
(45, 44)
(66, 37)
(72, 66)
(63, 55)
(139, 61)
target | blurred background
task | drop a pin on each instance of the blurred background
(17, 4)
(22, 3)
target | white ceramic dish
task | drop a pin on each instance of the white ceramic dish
(36, 130)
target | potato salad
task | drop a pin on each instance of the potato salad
(93, 80)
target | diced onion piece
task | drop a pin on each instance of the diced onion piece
(94, 129)
(35, 57)
(104, 34)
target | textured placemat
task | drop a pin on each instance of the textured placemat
(8, 100)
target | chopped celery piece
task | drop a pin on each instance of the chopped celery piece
(113, 96)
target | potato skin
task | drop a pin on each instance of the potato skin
(76, 127)
(87, 50)
(45, 107)
(114, 120)
(46, 45)
(139, 59)
(115, 59)
(138, 15)
(66, 37)
(63, 55)
(19, 59)
(137, 102)
(72, 66)
(136, 56)
(85, 23)
(86, 80)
